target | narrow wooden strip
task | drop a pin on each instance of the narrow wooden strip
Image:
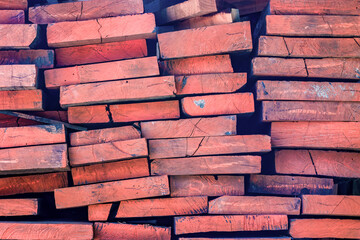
(230, 223)
(14, 4)
(219, 18)
(111, 192)
(19, 207)
(206, 185)
(12, 17)
(281, 67)
(255, 205)
(290, 185)
(213, 145)
(207, 165)
(43, 59)
(110, 171)
(106, 152)
(327, 135)
(23, 100)
(89, 114)
(17, 36)
(337, 68)
(99, 212)
(191, 127)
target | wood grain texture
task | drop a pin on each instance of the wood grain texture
(308, 91)
(258, 205)
(18, 77)
(209, 83)
(227, 38)
(19, 207)
(317, 26)
(77, 11)
(102, 30)
(206, 185)
(21, 100)
(33, 183)
(290, 185)
(325, 228)
(96, 53)
(197, 65)
(99, 212)
(213, 145)
(89, 114)
(100, 72)
(218, 18)
(326, 135)
(230, 223)
(43, 59)
(191, 127)
(277, 111)
(107, 152)
(207, 165)
(105, 172)
(12, 17)
(316, 7)
(17, 36)
(282, 67)
(104, 135)
(32, 135)
(14, 4)
(109, 231)
(222, 104)
(118, 91)
(162, 207)
(45, 230)
(111, 192)
(316, 162)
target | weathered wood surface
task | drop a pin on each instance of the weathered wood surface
(206, 185)
(281, 67)
(162, 207)
(107, 152)
(19, 207)
(105, 172)
(89, 114)
(99, 212)
(326, 135)
(230, 223)
(102, 30)
(12, 17)
(111, 191)
(227, 38)
(290, 185)
(43, 59)
(316, 162)
(23, 100)
(207, 165)
(258, 205)
(192, 127)
(213, 145)
(17, 36)
(222, 104)
(14, 4)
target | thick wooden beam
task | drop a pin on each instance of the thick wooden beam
(278, 67)
(43, 59)
(89, 114)
(12, 17)
(99, 212)
(17, 36)
(21, 100)
(14, 4)
(19, 207)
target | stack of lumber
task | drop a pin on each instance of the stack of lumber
(149, 128)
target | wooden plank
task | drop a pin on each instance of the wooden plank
(111, 192)
(105, 52)
(308, 25)
(337, 68)
(210, 83)
(257, 205)
(275, 111)
(17, 36)
(191, 127)
(227, 38)
(230, 223)
(185, 10)
(308, 91)
(130, 231)
(43, 59)
(221, 104)
(103, 135)
(89, 114)
(102, 30)
(197, 65)
(325, 228)
(23, 100)
(33, 183)
(162, 207)
(78, 11)
(14, 4)
(317, 7)
(206, 185)
(145, 111)
(12, 17)
(45, 230)
(327, 135)
(133, 68)
(290, 185)
(207, 165)
(316, 162)
(106, 152)
(282, 67)
(105, 172)
(213, 145)
(19, 207)
(99, 212)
